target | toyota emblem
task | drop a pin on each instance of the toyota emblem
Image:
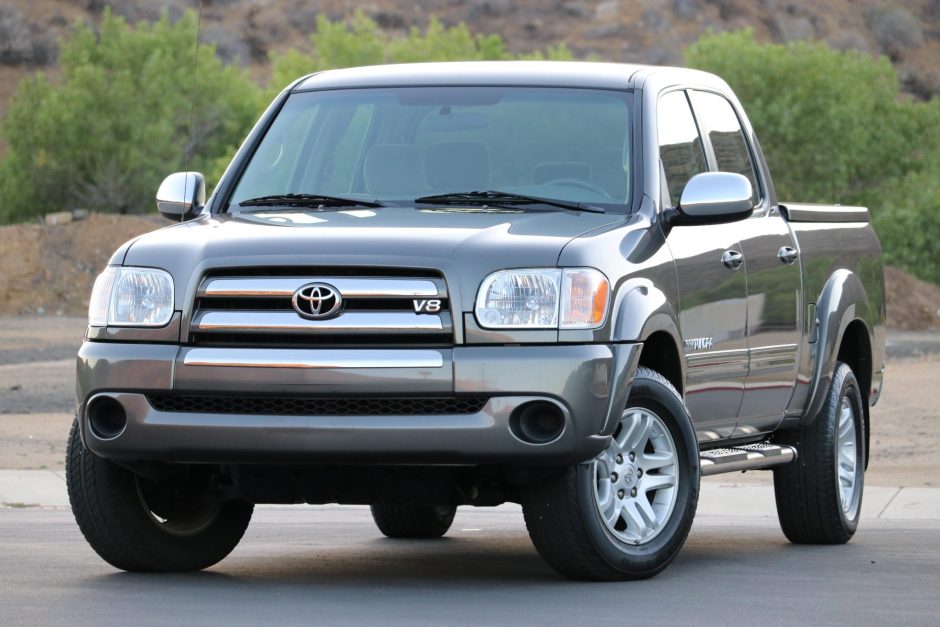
(317, 301)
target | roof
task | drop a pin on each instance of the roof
(515, 73)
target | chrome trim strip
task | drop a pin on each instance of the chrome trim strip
(349, 287)
(290, 322)
(299, 358)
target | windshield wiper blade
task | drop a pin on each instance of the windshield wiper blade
(496, 197)
(308, 200)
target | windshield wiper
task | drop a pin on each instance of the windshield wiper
(308, 200)
(496, 197)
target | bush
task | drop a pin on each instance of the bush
(104, 136)
(835, 129)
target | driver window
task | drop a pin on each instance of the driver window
(680, 146)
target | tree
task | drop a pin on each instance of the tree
(105, 135)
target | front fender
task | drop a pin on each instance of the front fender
(641, 309)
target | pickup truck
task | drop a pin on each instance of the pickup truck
(565, 285)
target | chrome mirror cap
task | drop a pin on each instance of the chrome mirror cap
(181, 195)
(714, 197)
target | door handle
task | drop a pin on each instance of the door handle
(732, 259)
(788, 255)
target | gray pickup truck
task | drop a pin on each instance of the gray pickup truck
(565, 285)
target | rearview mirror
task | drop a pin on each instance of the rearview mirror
(713, 198)
(181, 195)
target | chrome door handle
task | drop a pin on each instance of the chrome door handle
(788, 255)
(732, 259)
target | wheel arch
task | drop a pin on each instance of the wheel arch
(642, 313)
(844, 333)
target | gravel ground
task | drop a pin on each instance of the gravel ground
(37, 400)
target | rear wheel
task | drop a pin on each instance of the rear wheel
(409, 520)
(181, 523)
(819, 496)
(626, 513)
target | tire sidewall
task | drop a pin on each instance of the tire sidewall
(650, 557)
(848, 388)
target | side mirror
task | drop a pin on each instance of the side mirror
(713, 198)
(181, 196)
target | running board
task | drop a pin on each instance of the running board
(747, 457)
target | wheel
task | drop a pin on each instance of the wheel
(819, 496)
(178, 524)
(626, 513)
(408, 520)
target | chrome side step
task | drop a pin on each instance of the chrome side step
(746, 457)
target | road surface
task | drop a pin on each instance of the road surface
(329, 566)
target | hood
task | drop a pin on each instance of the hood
(465, 244)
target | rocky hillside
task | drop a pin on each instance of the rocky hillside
(649, 31)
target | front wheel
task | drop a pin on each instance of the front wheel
(181, 523)
(626, 513)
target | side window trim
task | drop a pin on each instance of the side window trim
(760, 208)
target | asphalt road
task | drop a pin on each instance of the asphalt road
(329, 566)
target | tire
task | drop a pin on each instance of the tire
(819, 496)
(408, 520)
(567, 514)
(193, 528)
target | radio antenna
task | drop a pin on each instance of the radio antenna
(192, 106)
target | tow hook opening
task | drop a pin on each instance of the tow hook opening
(538, 422)
(106, 417)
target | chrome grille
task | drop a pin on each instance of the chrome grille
(252, 309)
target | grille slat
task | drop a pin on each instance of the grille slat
(253, 308)
(317, 406)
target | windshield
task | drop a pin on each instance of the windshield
(396, 145)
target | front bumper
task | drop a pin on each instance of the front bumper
(589, 383)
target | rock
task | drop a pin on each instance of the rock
(686, 9)
(849, 40)
(79, 214)
(792, 28)
(606, 11)
(59, 217)
(896, 30)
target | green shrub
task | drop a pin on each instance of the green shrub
(105, 135)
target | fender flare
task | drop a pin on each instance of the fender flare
(641, 309)
(838, 306)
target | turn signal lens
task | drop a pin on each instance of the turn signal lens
(584, 296)
(101, 298)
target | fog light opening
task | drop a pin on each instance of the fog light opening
(539, 422)
(106, 417)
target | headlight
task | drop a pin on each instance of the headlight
(543, 298)
(131, 297)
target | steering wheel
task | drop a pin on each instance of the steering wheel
(580, 183)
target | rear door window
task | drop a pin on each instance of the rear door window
(723, 129)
